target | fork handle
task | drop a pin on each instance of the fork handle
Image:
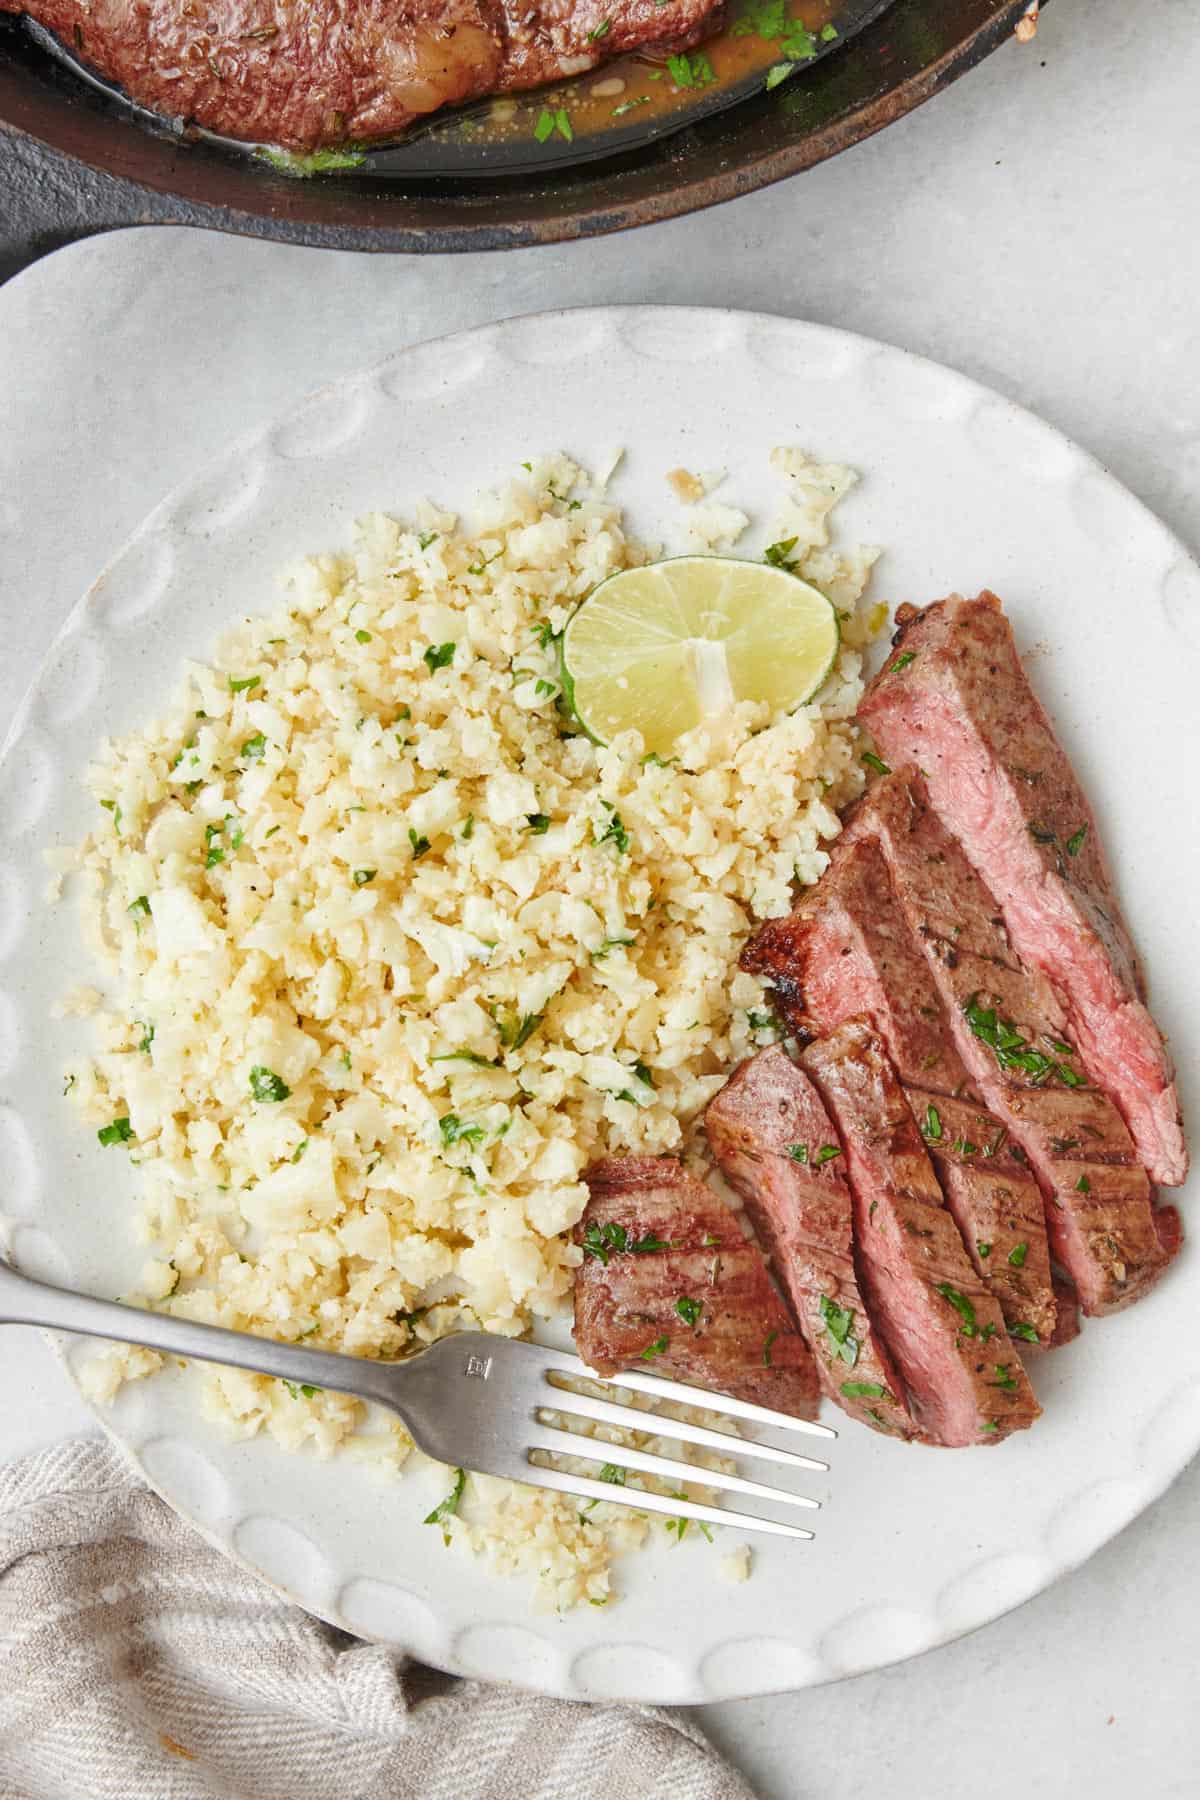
(24, 1301)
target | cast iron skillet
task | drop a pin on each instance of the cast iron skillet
(910, 50)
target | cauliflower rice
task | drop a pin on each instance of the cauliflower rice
(391, 953)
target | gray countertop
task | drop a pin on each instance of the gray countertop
(1035, 227)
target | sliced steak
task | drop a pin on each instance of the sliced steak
(1012, 1036)
(671, 1286)
(942, 1327)
(848, 952)
(333, 74)
(774, 1143)
(956, 701)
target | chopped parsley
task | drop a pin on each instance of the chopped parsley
(446, 1509)
(901, 662)
(608, 944)
(600, 31)
(548, 122)
(313, 162)
(932, 1128)
(1075, 841)
(962, 1307)
(660, 1344)
(688, 1310)
(306, 1388)
(112, 807)
(762, 1021)
(826, 1153)
(362, 637)
(298, 1152)
(1026, 1333)
(1011, 1050)
(628, 105)
(454, 1131)
(254, 748)
(468, 830)
(839, 1323)
(766, 1350)
(266, 1085)
(611, 1472)
(140, 905)
(1004, 1378)
(467, 1056)
(242, 685)
(601, 1241)
(484, 562)
(147, 1038)
(361, 877)
(426, 538)
(1017, 1255)
(538, 823)
(438, 656)
(420, 844)
(119, 1132)
(864, 1390)
(690, 71)
(613, 831)
(798, 1152)
(1083, 1185)
(875, 762)
(777, 554)
(983, 1249)
(516, 1030)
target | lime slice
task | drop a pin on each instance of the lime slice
(673, 645)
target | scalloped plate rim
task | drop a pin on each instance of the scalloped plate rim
(1146, 1484)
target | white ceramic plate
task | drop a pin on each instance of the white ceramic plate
(965, 490)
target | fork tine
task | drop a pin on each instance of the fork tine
(661, 1389)
(609, 1413)
(620, 1456)
(587, 1489)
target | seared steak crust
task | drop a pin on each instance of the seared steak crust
(276, 72)
(847, 951)
(766, 1117)
(956, 701)
(670, 1286)
(942, 1326)
(1100, 1216)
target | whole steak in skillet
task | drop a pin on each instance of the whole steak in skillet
(343, 71)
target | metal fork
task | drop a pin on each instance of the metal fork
(473, 1400)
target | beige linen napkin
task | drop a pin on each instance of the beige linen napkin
(136, 1663)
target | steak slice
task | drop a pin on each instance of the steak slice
(773, 1141)
(941, 1325)
(957, 702)
(669, 1285)
(846, 952)
(304, 76)
(1010, 1033)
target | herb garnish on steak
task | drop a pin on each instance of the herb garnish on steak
(963, 711)
(847, 951)
(1010, 1032)
(668, 1278)
(767, 1113)
(942, 1327)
